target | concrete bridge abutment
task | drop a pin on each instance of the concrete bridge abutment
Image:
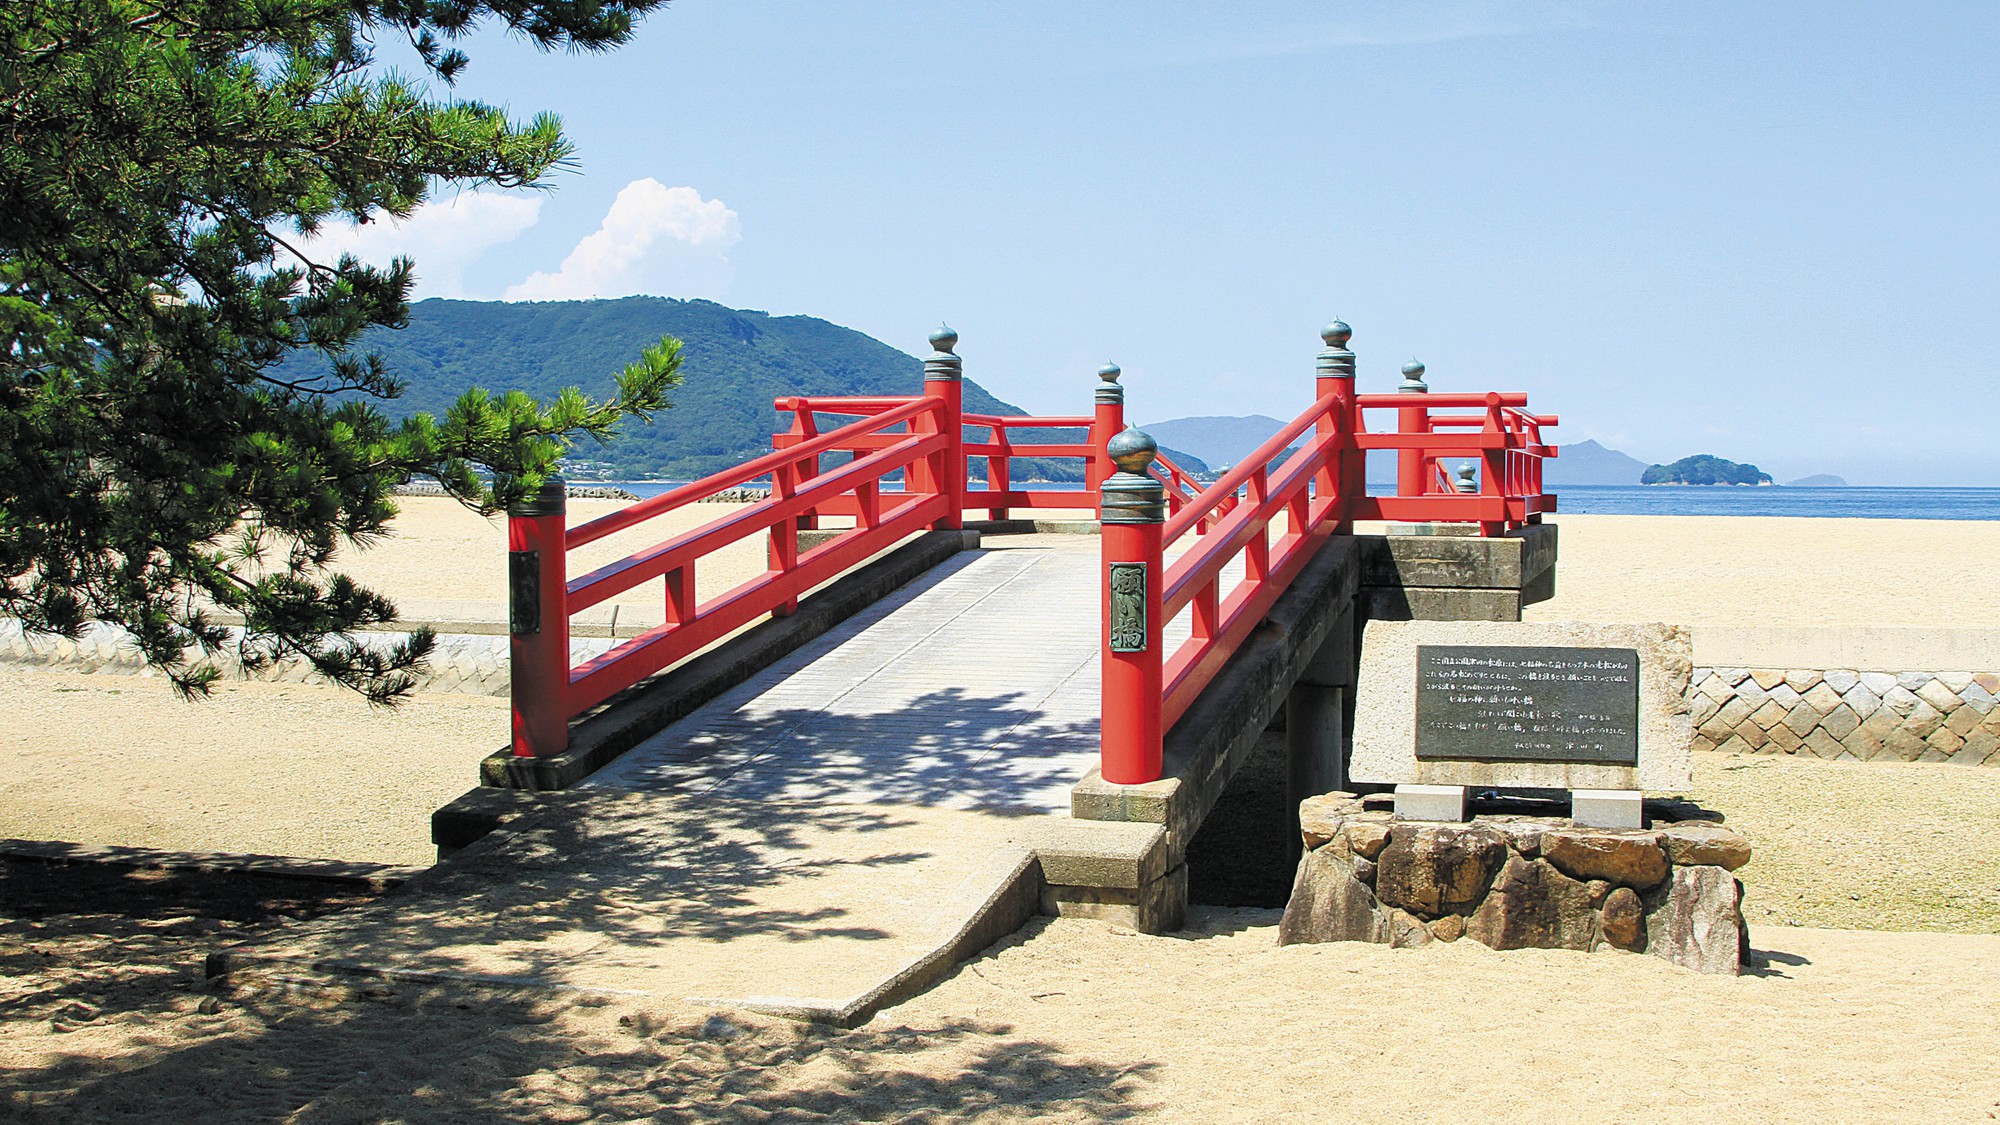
(1290, 691)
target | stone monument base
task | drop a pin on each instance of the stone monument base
(1520, 882)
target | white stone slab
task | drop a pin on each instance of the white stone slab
(1430, 802)
(1385, 741)
(1607, 808)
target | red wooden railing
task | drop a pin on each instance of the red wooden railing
(907, 472)
(1503, 436)
(1312, 474)
(997, 448)
(547, 691)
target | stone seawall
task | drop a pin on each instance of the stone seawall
(1842, 713)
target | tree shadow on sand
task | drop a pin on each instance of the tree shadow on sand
(771, 892)
(159, 1047)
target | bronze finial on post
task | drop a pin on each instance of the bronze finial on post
(943, 363)
(1413, 379)
(1106, 424)
(1335, 361)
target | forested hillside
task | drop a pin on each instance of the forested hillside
(735, 362)
(1703, 468)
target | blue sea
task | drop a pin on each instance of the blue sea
(1782, 500)
(1720, 500)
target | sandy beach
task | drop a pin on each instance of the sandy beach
(109, 1021)
(1770, 571)
(108, 1017)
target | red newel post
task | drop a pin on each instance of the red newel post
(1412, 467)
(1134, 512)
(804, 429)
(1493, 468)
(1346, 475)
(1108, 423)
(944, 375)
(538, 621)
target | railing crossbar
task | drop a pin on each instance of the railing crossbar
(615, 578)
(637, 513)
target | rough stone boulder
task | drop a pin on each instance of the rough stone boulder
(1438, 869)
(1329, 904)
(1697, 921)
(1367, 837)
(1534, 906)
(1701, 844)
(1320, 817)
(1517, 882)
(1630, 858)
(1624, 921)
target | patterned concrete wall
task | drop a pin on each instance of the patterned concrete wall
(1838, 713)
(1869, 716)
(470, 663)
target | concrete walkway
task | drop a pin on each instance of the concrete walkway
(974, 687)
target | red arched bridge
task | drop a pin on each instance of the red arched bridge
(1236, 545)
(815, 792)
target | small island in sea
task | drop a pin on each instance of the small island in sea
(1704, 469)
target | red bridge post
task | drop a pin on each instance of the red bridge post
(944, 375)
(538, 621)
(1108, 423)
(1134, 512)
(1346, 476)
(1412, 466)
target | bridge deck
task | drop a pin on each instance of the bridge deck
(974, 687)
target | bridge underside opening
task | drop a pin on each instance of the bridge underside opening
(1244, 852)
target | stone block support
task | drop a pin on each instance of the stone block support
(1423, 577)
(1316, 715)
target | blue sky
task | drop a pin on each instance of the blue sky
(1766, 232)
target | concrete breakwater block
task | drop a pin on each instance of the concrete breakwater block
(1519, 882)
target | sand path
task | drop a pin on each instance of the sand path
(1065, 1021)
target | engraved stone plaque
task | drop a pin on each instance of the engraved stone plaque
(1499, 703)
(524, 587)
(1128, 607)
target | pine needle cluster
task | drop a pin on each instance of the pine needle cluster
(162, 164)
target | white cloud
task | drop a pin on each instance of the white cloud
(445, 237)
(655, 239)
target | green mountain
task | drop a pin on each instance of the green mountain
(1704, 469)
(734, 361)
(1586, 462)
